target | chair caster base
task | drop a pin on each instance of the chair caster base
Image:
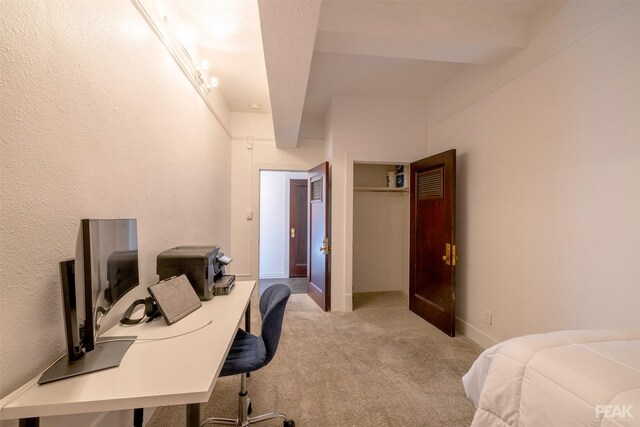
(249, 421)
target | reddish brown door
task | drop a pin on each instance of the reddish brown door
(319, 226)
(298, 228)
(432, 247)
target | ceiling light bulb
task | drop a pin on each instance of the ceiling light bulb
(204, 65)
(255, 107)
(214, 82)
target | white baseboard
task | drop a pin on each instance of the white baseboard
(474, 334)
(348, 302)
(274, 276)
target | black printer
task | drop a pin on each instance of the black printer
(203, 266)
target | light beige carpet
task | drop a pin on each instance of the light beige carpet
(371, 367)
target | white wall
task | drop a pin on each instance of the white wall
(549, 176)
(246, 164)
(380, 242)
(367, 129)
(97, 122)
(272, 225)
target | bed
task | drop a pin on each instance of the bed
(566, 379)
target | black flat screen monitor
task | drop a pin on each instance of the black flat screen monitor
(105, 269)
(110, 270)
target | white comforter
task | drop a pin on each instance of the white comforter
(565, 379)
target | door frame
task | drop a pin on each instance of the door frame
(351, 159)
(256, 168)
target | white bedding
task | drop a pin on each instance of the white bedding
(565, 379)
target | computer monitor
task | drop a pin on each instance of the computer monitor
(70, 309)
(109, 270)
(105, 269)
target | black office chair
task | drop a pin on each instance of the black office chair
(249, 353)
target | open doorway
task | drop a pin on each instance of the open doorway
(380, 236)
(283, 230)
(413, 239)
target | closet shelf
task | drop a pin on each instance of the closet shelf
(382, 189)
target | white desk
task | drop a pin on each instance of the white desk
(179, 370)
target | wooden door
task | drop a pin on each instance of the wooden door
(298, 228)
(432, 246)
(319, 287)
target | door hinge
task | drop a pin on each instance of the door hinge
(454, 257)
(293, 232)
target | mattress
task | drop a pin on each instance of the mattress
(566, 378)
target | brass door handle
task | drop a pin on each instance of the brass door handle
(450, 257)
(447, 254)
(325, 246)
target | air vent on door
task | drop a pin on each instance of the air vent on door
(316, 190)
(430, 184)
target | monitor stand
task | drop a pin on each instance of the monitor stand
(107, 354)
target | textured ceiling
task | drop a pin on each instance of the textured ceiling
(392, 48)
(227, 34)
(364, 75)
(291, 56)
(288, 32)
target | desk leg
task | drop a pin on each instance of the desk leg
(247, 323)
(247, 318)
(193, 415)
(29, 422)
(138, 417)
